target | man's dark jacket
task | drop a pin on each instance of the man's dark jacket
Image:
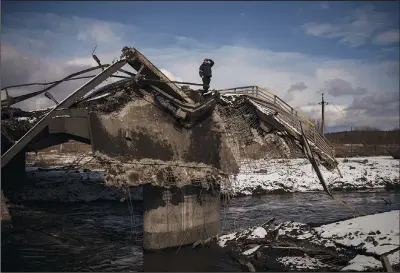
(205, 69)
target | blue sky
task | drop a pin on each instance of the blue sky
(349, 50)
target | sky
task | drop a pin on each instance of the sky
(298, 50)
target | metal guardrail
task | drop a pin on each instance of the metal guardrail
(292, 119)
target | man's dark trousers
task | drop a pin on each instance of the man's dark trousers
(206, 83)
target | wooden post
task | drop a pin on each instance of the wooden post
(386, 264)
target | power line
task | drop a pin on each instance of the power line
(341, 111)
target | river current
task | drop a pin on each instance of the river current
(107, 236)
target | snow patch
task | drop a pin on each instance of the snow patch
(29, 119)
(362, 263)
(251, 250)
(375, 234)
(304, 262)
(259, 232)
(225, 238)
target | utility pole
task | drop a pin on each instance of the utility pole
(351, 141)
(323, 103)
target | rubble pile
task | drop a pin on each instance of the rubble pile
(15, 122)
(158, 173)
(243, 124)
(112, 97)
(292, 246)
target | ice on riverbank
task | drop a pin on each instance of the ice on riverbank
(351, 245)
(297, 175)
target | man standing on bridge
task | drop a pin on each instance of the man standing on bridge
(206, 74)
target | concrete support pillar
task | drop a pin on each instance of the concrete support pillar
(179, 216)
(13, 175)
(5, 214)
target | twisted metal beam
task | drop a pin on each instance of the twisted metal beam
(66, 103)
(13, 100)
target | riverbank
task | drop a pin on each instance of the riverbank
(352, 245)
(297, 175)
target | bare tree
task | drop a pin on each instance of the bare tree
(318, 124)
(366, 128)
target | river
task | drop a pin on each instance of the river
(103, 236)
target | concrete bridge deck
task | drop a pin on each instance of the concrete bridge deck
(146, 127)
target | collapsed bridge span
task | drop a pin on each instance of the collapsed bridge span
(145, 130)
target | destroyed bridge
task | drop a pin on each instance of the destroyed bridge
(183, 148)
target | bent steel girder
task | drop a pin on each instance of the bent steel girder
(146, 68)
(310, 155)
(66, 103)
(13, 100)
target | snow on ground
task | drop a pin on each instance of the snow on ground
(297, 175)
(374, 234)
(356, 241)
(303, 262)
(362, 263)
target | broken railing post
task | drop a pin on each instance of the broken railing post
(386, 264)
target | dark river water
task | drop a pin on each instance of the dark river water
(104, 237)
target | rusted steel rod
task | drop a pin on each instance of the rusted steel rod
(59, 81)
(66, 78)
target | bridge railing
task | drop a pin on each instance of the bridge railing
(292, 119)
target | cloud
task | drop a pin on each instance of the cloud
(20, 67)
(339, 87)
(69, 50)
(300, 86)
(387, 37)
(376, 102)
(381, 108)
(353, 30)
(170, 76)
